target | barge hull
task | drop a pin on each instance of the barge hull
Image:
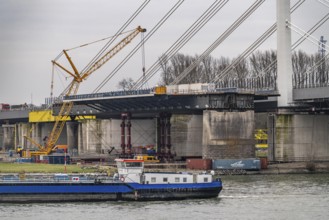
(138, 192)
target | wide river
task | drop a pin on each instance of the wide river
(243, 197)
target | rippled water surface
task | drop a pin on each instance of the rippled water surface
(243, 197)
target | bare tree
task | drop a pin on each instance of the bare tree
(126, 84)
(166, 74)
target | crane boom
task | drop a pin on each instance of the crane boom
(73, 89)
(112, 52)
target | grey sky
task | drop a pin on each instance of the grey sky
(34, 32)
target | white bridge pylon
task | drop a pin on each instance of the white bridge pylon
(284, 62)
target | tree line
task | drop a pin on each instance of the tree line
(307, 68)
(258, 70)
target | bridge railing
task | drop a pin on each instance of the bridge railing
(259, 83)
(314, 79)
(110, 94)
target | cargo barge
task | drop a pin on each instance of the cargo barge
(130, 183)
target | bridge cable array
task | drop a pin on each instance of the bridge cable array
(300, 40)
(324, 2)
(219, 40)
(312, 80)
(187, 35)
(108, 44)
(294, 46)
(252, 47)
(183, 39)
(154, 29)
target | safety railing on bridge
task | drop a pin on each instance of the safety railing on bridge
(259, 84)
(314, 79)
(110, 94)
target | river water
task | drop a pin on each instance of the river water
(243, 197)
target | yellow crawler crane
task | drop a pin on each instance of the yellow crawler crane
(73, 89)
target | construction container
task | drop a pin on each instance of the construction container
(184, 88)
(199, 164)
(23, 160)
(172, 89)
(139, 150)
(240, 164)
(160, 90)
(263, 163)
(54, 159)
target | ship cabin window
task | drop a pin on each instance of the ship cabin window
(184, 179)
(205, 179)
(153, 180)
(61, 177)
(176, 179)
(133, 164)
(129, 164)
(165, 179)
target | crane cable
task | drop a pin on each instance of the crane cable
(105, 47)
(143, 54)
(150, 34)
(188, 34)
(97, 41)
(102, 51)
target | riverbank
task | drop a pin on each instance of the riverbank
(44, 168)
(296, 168)
(272, 168)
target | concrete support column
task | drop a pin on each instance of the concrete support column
(162, 134)
(228, 135)
(123, 134)
(72, 136)
(1, 138)
(81, 137)
(300, 137)
(284, 76)
(129, 133)
(8, 137)
(168, 135)
(271, 131)
(22, 129)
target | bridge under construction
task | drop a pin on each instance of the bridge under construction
(212, 120)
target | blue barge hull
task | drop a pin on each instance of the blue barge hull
(59, 192)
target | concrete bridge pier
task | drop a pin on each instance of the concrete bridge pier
(72, 136)
(298, 137)
(21, 130)
(8, 137)
(228, 135)
(186, 135)
(40, 133)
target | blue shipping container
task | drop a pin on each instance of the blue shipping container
(58, 159)
(240, 164)
(23, 160)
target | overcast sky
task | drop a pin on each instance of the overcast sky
(34, 32)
